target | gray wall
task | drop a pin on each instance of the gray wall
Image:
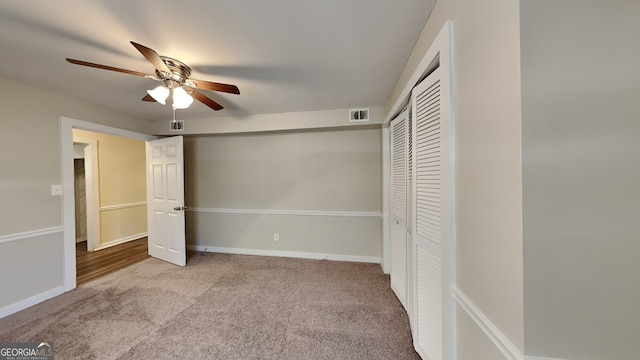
(32, 265)
(581, 152)
(231, 178)
(486, 111)
(474, 344)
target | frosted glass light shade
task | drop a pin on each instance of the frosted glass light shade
(181, 100)
(159, 94)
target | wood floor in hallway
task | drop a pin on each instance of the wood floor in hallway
(92, 265)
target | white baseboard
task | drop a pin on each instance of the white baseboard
(291, 254)
(120, 241)
(354, 258)
(36, 299)
(499, 339)
(540, 358)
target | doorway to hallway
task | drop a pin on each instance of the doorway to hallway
(91, 265)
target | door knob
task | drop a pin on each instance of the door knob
(178, 208)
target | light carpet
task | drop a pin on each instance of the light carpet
(224, 307)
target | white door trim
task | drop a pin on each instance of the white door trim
(386, 200)
(68, 206)
(92, 186)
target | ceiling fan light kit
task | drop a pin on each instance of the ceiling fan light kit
(159, 94)
(181, 100)
(175, 76)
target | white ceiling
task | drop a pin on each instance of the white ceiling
(284, 55)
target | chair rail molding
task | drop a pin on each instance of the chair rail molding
(30, 234)
(123, 206)
(499, 339)
(287, 212)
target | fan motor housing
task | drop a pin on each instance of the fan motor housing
(179, 70)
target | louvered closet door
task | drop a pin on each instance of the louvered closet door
(409, 258)
(432, 207)
(399, 177)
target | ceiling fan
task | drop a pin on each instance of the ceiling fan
(175, 76)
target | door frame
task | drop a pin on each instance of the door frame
(92, 186)
(68, 199)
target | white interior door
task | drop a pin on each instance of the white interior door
(165, 200)
(399, 156)
(433, 208)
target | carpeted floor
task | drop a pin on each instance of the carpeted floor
(224, 307)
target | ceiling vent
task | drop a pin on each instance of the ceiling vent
(357, 115)
(176, 125)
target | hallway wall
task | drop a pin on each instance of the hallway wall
(123, 187)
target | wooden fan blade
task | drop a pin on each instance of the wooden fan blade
(152, 56)
(106, 67)
(208, 85)
(205, 100)
(148, 98)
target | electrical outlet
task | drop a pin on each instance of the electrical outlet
(276, 237)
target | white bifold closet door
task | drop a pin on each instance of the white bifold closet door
(399, 197)
(432, 207)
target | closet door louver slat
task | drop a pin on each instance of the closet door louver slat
(399, 169)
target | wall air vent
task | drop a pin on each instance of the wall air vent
(357, 115)
(176, 125)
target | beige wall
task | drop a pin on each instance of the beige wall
(328, 171)
(33, 265)
(122, 182)
(581, 151)
(488, 187)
